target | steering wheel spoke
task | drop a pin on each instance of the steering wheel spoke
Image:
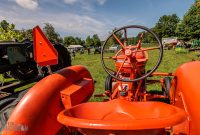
(146, 49)
(125, 36)
(131, 57)
(121, 66)
(138, 46)
(122, 45)
(150, 48)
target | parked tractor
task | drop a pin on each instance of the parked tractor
(17, 59)
(58, 104)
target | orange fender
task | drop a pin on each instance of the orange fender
(188, 94)
(36, 113)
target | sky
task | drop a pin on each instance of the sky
(87, 17)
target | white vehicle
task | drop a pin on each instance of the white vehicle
(172, 40)
(114, 48)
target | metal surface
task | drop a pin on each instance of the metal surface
(121, 115)
(187, 94)
(40, 106)
(44, 52)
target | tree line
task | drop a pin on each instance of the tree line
(167, 26)
(172, 26)
(8, 32)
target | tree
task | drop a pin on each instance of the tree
(83, 42)
(147, 37)
(27, 34)
(189, 27)
(89, 41)
(69, 41)
(5, 25)
(51, 34)
(8, 32)
(96, 40)
(166, 25)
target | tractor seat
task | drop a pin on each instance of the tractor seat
(120, 114)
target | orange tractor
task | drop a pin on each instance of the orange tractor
(58, 103)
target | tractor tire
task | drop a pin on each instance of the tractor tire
(25, 71)
(7, 105)
(108, 83)
(28, 70)
(6, 101)
(64, 58)
(167, 85)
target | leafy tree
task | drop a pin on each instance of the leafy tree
(96, 40)
(166, 25)
(8, 32)
(83, 42)
(78, 40)
(27, 34)
(147, 37)
(5, 25)
(51, 34)
(69, 41)
(189, 27)
(89, 41)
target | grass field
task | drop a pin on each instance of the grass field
(170, 62)
(92, 62)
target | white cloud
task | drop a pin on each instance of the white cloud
(65, 23)
(84, 2)
(101, 2)
(70, 1)
(28, 4)
(79, 24)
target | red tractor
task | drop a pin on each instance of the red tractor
(58, 103)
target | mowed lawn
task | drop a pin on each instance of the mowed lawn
(170, 62)
(92, 62)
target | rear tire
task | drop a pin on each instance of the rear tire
(64, 58)
(27, 71)
(7, 105)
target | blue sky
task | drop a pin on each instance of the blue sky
(87, 17)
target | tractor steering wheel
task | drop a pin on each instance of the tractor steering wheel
(125, 49)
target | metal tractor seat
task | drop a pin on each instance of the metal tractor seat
(121, 115)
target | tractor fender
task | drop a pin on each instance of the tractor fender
(188, 93)
(36, 113)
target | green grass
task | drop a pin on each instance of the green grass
(170, 62)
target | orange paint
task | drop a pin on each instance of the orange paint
(122, 115)
(39, 108)
(187, 95)
(44, 52)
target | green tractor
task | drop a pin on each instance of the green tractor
(195, 43)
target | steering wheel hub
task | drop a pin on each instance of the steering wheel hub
(128, 52)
